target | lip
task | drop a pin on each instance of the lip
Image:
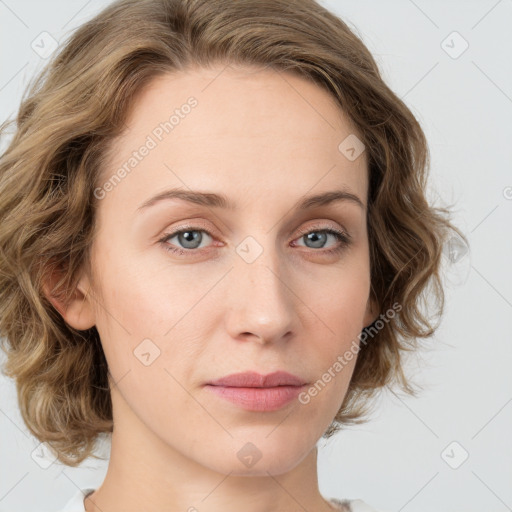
(255, 392)
(256, 380)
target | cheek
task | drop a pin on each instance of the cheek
(339, 299)
(340, 309)
(141, 299)
(146, 320)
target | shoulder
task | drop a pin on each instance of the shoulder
(354, 505)
(76, 503)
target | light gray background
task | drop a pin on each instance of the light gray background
(401, 460)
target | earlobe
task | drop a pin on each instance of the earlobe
(77, 311)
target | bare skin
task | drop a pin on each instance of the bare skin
(266, 141)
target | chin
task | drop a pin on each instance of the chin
(257, 453)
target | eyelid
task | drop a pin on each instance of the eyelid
(320, 225)
(191, 225)
(198, 226)
(324, 226)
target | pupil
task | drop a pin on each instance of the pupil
(190, 237)
(313, 237)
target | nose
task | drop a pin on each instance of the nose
(261, 305)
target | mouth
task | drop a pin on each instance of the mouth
(255, 392)
(252, 379)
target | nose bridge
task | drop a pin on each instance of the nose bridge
(262, 303)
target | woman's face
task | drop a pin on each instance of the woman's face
(243, 288)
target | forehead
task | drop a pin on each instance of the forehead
(249, 128)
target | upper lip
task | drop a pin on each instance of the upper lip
(256, 380)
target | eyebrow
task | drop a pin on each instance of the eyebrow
(214, 200)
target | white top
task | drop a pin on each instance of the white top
(76, 503)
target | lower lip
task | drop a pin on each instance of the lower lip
(258, 399)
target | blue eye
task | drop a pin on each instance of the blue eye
(312, 235)
(191, 238)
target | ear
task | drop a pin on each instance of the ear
(372, 312)
(78, 311)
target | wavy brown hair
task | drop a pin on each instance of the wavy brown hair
(68, 118)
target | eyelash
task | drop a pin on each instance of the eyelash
(343, 238)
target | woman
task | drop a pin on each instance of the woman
(214, 243)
